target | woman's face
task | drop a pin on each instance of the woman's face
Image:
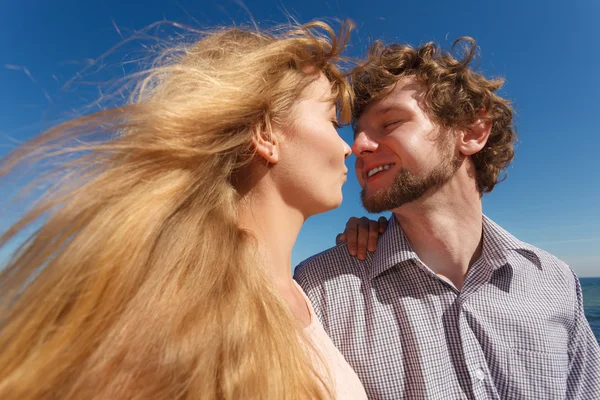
(311, 168)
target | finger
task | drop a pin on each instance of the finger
(340, 238)
(352, 235)
(383, 223)
(363, 238)
(373, 235)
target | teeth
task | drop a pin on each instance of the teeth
(379, 169)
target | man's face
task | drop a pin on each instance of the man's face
(401, 154)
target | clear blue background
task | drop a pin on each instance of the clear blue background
(547, 51)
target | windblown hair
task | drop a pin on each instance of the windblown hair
(139, 283)
(455, 96)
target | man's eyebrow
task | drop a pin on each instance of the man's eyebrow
(390, 108)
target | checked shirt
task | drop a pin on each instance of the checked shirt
(515, 331)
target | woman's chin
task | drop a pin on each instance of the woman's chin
(324, 205)
(335, 202)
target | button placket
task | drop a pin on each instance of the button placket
(474, 358)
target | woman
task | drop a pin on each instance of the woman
(162, 267)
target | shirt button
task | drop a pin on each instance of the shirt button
(479, 374)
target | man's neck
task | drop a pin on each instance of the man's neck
(445, 230)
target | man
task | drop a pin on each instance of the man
(450, 305)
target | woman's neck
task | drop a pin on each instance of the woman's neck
(276, 227)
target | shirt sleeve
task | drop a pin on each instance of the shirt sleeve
(583, 381)
(301, 278)
(314, 291)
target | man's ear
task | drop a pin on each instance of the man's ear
(266, 145)
(474, 138)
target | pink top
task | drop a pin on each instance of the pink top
(346, 385)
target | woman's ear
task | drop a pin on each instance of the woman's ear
(473, 139)
(266, 146)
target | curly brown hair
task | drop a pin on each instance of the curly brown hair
(455, 96)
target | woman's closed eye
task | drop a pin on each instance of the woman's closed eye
(335, 124)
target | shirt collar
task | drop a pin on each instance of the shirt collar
(393, 248)
(499, 247)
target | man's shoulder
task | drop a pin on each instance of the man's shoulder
(546, 262)
(550, 265)
(329, 265)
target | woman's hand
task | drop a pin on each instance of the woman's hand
(361, 235)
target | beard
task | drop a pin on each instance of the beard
(408, 187)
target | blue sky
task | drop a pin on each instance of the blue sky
(546, 50)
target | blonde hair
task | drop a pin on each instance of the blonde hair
(140, 284)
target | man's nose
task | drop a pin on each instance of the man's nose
(363, 143)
